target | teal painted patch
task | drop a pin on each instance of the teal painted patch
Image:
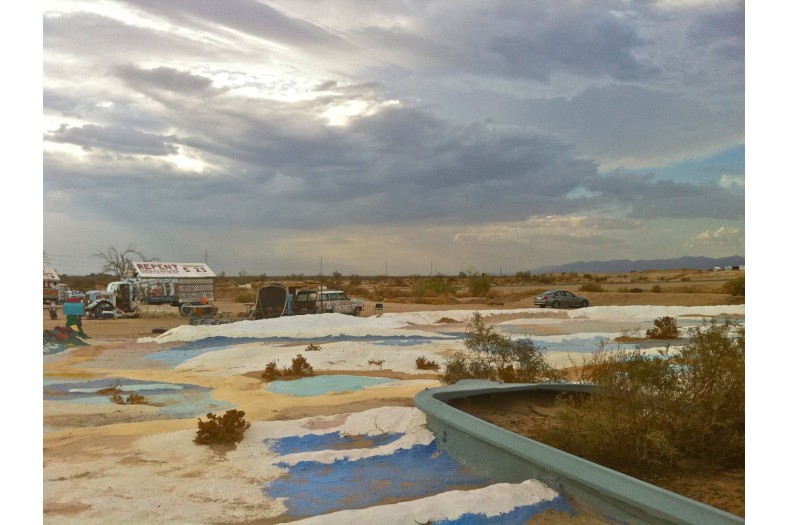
(326, 384)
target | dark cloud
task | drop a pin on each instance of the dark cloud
(648, 197)
(165, 79)
(117, 140)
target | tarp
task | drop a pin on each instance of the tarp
(172, 269)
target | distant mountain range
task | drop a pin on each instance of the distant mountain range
(625, 265)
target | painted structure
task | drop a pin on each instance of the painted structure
(512, 458)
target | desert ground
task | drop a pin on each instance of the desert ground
(126, 463)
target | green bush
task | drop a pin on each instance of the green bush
(651, 412)
(227, 428)
(664, 328)
(496, 357)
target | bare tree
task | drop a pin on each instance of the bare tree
(118, 262)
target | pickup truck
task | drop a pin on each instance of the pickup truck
(312, 301)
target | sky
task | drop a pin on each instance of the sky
(392, 137)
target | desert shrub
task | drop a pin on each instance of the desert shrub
(422, 363)
(656, 289)
(479, 284)
(545, 279)
(734, 286)
(623, 289)
(131, 399)
(227, 428)
(636, 290)
(247, 296)
(312, 347)
(115, 392)
(591, 287)
(271, 371)
(299, 368)
(496, 357)
(651, 412)
(376, 362)
(664, 328)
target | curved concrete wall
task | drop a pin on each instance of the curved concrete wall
(510, 457)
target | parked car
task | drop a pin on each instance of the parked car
(325, 301)
(560, 299)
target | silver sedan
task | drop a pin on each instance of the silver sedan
(559, 299)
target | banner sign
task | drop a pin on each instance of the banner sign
(175, 270)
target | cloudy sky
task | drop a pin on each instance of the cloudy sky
(392, 137)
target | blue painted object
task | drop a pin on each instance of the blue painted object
(332, 441)
(313, 488)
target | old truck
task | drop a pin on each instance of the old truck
(320, 300)
(187, 286)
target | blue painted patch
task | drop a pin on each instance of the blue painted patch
(311, 488)
(332, 441)
(517, 515)
(171, 400)
(180, 354)
(325, 384)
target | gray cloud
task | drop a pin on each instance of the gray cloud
(456, 115)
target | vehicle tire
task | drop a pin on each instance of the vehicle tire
(583, 304)
(186, 310)
(357, 311)
(100, 308)
(556, 304)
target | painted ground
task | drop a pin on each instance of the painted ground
(346, 446)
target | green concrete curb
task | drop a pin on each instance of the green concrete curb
(509, 457)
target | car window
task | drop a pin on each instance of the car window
(570, 294)
(342, 296)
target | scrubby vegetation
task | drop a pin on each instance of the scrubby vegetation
(664, 328)
(591, 287)
(299, 368)
(652, 413)
(422, 363)
(496, 357)
(131, 399)
(227, 428)
(479, 284)
(114, 393)
(734, 286)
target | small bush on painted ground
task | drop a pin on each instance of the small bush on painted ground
(494, 356)
(299, 368)
(227, 428)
